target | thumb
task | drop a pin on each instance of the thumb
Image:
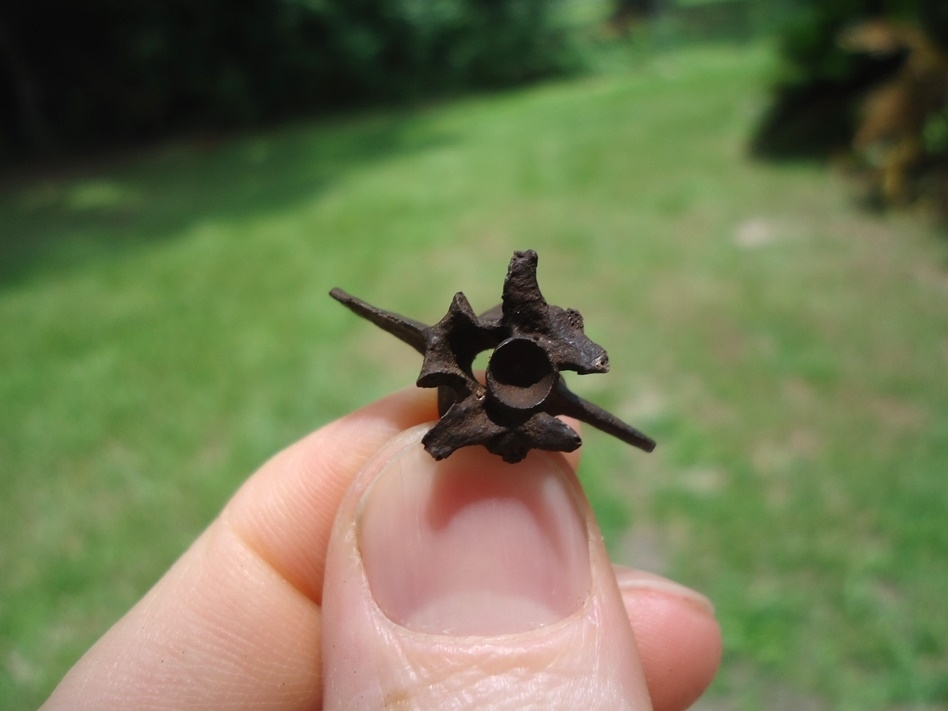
(470, 584)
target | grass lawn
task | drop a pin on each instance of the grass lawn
(166, 327)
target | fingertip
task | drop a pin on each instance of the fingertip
(678, 637)
(473, 574)
(474, 545)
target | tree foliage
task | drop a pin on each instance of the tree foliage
(74, 74)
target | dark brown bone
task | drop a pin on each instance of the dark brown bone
(532, 342)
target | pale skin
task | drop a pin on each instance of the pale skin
(352, 571)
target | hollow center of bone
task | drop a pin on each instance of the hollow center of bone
(520, 373)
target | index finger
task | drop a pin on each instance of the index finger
(285, 511)
(236, 622)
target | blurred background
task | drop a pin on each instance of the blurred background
(745, 199)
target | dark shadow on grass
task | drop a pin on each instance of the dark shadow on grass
(56, 223)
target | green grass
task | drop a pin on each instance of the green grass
(165, 327)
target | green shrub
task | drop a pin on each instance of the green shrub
(819, 91)
(869, 77)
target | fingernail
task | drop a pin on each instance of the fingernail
(472, 545)
(636, 582)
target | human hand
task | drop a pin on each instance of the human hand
(354, 572)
